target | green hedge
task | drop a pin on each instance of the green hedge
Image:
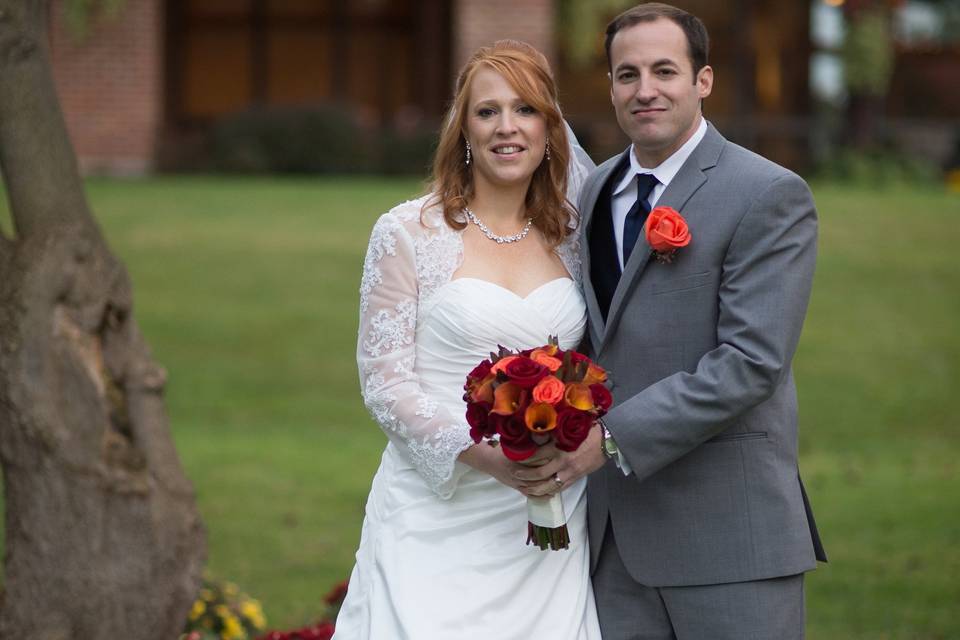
(317, 139)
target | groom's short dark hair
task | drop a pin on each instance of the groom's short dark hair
(698, 42)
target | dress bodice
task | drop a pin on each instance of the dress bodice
(421, 332)
(472, 317)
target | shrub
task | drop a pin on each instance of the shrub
(876, 168)
(319, 139)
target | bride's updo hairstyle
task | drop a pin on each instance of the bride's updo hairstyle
(528, 72)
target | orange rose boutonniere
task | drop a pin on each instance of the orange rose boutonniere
(666, 232)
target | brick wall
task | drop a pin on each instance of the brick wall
(481, 22)
(110, 85)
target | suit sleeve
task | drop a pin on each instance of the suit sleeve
(765, 285)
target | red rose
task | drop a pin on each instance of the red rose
(572, 429)
(666, 230)
(549, 390)
(549, 361)
(515, 438)
(478, 417)
(525, 372)
(337, 594)
(511, 427)
(320, 631)
(501, 364)
(480, 371)
(519, 451)
(602, 398)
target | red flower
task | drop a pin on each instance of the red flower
(479, 383)
(478, 417)
(518, 451)
(572, 429)
(525, 372)
(501, 364)
(666, 230)
(480, 371)
(320, 631)
(549, 361)
(602, 398)
(515, 438)
(337, 594)
(549, 390)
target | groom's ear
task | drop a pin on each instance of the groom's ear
(704, 81)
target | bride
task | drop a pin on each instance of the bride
(488, 258)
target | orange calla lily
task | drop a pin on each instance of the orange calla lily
(549, 350)
(578, 396)
(540, 417)
(483, 392)
(595, 375)
(507, 399)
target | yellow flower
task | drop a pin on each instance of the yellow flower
(222, 611)
(254, 613)
(230, 590)
(199, 608)
(206, 595)
(232, 630)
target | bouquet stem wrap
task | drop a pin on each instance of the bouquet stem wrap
(547, 523)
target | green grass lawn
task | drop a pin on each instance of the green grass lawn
(247, 290)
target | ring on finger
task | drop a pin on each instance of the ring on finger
(557, 480)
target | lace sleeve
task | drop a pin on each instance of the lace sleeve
(428, 435)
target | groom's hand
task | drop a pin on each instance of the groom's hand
(556, 470)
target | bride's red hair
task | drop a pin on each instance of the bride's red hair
(528, 72)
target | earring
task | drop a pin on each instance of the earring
(468, 153)
(547, 154)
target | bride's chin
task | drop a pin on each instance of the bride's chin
(512, 178)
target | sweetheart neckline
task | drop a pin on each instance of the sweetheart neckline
(511, 291)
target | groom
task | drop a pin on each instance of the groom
(699, 524)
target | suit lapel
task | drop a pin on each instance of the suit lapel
(689, 179)
(588, 203)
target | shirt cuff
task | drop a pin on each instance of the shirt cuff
(622, 464)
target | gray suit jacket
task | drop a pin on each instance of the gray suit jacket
(699, 354)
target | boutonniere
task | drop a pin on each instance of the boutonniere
(666, 232)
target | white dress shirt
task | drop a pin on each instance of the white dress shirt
(623, 197)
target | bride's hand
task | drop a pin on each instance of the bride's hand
(490, 460)
(562, 468)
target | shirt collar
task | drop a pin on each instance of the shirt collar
(667, 169)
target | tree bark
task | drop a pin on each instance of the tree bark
(103, 538)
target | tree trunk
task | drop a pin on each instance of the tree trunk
(103, 538)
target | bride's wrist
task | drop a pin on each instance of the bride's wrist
(472, 456)
(481, 456)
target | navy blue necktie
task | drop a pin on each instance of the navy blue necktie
(637, 214)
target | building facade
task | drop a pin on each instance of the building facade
(140, 85)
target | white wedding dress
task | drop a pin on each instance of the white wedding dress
(443, 551)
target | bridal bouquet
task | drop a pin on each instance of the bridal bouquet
(528, 398)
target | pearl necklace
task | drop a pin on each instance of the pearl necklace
(490, 234)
